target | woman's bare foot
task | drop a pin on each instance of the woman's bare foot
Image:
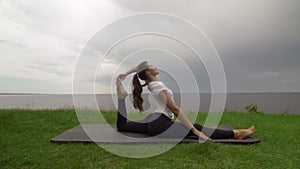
(243, 133)
(121, 92)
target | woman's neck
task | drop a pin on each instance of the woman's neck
(152, 79)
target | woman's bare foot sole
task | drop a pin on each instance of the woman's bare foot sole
(243, 133)
(121, 92)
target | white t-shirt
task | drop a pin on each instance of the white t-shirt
(155, 87)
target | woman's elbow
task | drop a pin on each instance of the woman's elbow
(175, 110)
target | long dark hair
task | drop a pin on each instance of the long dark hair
(138, 89)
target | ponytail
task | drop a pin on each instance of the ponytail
(137, 92)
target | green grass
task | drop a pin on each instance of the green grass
(25, 143)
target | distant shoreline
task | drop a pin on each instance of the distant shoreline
(269, 102)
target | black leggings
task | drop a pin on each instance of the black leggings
(158, 123)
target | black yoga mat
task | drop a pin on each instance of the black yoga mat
(107, 134)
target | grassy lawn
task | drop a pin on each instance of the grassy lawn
(25, 143)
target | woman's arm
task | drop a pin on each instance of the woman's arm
(179, 114)
(131, 70)
(141, 66)
(128, 72)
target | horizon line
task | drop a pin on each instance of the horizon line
(28, 93)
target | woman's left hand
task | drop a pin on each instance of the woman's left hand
(122, 76)
(201, 135)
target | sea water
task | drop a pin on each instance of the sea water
(272, 103)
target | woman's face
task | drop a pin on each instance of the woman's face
(153, 70)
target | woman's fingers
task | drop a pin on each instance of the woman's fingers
(201, 135)
(204, 137)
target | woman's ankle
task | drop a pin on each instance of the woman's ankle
(121, 92)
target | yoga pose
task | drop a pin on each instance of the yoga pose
(161, 122)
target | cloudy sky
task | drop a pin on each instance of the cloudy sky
(41, 43)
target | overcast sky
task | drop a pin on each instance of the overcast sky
(258, 42)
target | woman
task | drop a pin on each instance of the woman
(161, 122)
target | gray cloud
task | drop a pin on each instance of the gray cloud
(258, 41)
(13, 43)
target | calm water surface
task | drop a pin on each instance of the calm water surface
(266, 102)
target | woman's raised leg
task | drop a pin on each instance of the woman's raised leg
(122, 124)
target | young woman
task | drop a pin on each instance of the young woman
(161, 122)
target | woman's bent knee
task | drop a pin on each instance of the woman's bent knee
(120, 127)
